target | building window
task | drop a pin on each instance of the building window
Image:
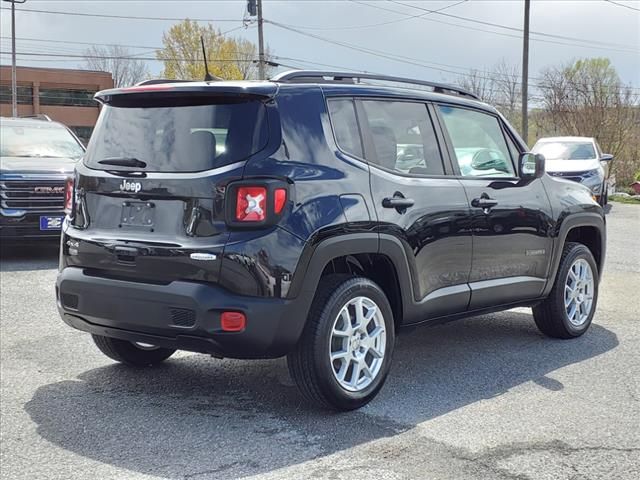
(25, 94)
(67, 97)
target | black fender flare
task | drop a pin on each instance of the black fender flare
(305, 282)
(582, 219)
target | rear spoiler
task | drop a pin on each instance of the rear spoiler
(185, 90)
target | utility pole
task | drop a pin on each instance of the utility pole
(14, 80)
(261, 73)
(525, 73)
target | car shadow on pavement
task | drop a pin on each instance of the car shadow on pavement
(34, 256)
(195, 417)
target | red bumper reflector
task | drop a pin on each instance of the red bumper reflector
(233, 321)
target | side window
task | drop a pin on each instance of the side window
(513, 149)
(478, 142)
(345, 125)
(403, 137)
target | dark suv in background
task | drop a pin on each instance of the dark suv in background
(313, 216)
(37, 156)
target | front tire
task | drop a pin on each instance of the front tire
(568, 310)
(344, 354)
(131, 353)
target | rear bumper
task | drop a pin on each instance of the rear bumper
(180, 315)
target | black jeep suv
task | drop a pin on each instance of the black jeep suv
(313, 216)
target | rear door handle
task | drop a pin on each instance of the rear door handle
(484, 202)
(398, 201)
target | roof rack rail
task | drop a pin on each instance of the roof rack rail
(38, 116)
(319, 76)
(158, 81)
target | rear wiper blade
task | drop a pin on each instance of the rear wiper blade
(123, 162)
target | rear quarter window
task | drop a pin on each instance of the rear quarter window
(187, 138)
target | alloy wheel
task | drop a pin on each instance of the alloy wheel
(357, 344)
(579, 290)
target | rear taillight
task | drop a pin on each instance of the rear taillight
(256, 203)
(251, 204)
(68, 196)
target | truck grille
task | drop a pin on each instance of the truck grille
(37, 195)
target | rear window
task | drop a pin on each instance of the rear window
(188, 138)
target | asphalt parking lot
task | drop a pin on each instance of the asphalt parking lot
(487, 397)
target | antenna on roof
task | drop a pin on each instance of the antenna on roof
(207, 76)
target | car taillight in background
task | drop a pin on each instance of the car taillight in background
(258, 203)
(68, 196)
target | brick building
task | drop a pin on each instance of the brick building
(64, 95)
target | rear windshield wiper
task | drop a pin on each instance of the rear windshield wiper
(123, 162)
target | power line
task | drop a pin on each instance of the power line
(506, 27)
(476, 29)
(391, 56)
(122, 17)
(116, 57)
(622, 5)
(75, 42)
(355, 27)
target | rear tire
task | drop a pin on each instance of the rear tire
(568, 310)
(343, 357)
(130, 353)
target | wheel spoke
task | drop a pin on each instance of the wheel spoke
(371, 313)
(355, 374)
(572, 275)
(344, 368)
(375, 333)
(359, 313)
(340, 354)
(375, 352)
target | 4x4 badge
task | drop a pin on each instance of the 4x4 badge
(130, 186)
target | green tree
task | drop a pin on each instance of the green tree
(228, 58)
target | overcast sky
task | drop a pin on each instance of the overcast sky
(445, 43)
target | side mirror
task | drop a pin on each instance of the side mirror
(531, 165)
(606, 157)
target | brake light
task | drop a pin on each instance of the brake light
(68, 196)
(256, 202)
(279, 199)
(251, 204)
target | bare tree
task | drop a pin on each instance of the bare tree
(499, 86)
(125, 68)
(480, 84)
(587, 98)
(507, 86)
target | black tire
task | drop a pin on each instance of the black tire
(310, 364)
(550, 315)
(129, 353)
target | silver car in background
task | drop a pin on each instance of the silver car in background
(579, 159)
